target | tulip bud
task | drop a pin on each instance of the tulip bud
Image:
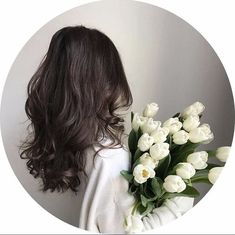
(198, 159)
(191, 122)
(145, 142)
(147, 160)
(150, 110)
(150, 125)
(138, 121)
(185, 170)
(174, 184)
(214, 174)
(142, 173)
(159, 151)
(180, 137)
(194, 109)
(160, 134)
(173, 124)
(201, 134)
(222, 153)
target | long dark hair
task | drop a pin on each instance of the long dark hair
(72, 101)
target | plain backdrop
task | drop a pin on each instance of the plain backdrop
(165, 59)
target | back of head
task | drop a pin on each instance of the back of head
(72, 102)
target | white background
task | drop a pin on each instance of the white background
(19, 20)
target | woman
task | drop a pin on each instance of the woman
(76, 134)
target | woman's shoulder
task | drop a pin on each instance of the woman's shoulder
(117, 157)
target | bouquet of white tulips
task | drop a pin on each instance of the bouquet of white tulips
(165, 163)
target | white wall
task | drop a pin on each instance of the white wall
(165, 59)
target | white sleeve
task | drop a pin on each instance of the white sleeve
(107, 202)
(104, 203)
(170, 210)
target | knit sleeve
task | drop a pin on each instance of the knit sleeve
(107, 201)
(169, 211)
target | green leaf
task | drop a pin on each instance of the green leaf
(141, 209)
(136, 183)
(128, 176)
(150, 207)
(181, 119)
(139, 133)
(144, 200)
(156, 186)
(133, 189)
(173, 147)
(132, 116)
(181, 154)
(200, 177)
(163, 166)
(147, 190)
(134, 164)
(211, 153)
(188, 192)
(141, 187)
(176, 115)
(132, 141)
(138, 153)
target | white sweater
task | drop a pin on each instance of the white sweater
(105, 201)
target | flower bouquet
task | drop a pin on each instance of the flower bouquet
(164, 160)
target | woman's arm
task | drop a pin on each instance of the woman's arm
(169, 211)
(107, 202)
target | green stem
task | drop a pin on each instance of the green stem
(135, 207)
(190, 182)
(211, 153)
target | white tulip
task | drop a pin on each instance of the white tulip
(150, 110)
(191, 122)
(141, 173)
(194, 109)
(145, 142)
(160, 135)
(174, 184)
(198, 159)
(138, 121)
(134, 224)
(159, 150)
(147, 160)
(150, 125)
(185, 170)
(180, 137)
(214, 174)
(201, 134)
(173, 124)
(222, 153)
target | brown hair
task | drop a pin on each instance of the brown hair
(72, 100)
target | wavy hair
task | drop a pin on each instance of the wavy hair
(72, 103)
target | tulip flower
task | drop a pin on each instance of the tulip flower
(214, 174)
(159, 151)
(180, 137)
(222, 153)
(142, 173)
(173, 124)
(191, 122)
(194, 109)
(174, 184)
(198, 159)
(185, 170)
(150, 110)
(145, 142)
